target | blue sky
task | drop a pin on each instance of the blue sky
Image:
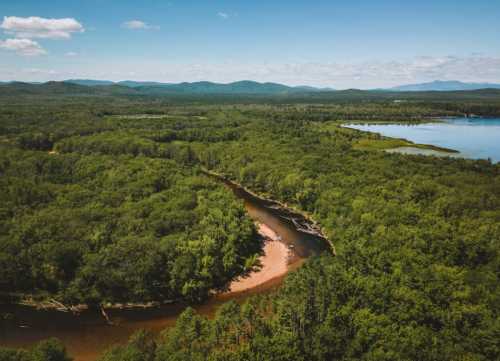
(342, 44)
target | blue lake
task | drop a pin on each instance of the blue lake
(477, 138)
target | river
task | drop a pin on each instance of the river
(87, 335)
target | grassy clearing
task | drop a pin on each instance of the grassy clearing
(394, 121)
(391, 143)
(374, 141)
(381, 144)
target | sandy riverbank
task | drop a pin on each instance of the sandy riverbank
(274, 262)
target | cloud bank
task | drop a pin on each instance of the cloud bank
(363, 75)
(25, 47)
(36, 27)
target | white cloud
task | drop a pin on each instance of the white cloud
(36, 71)
(36, 27)
(71, 54)
(223, 15)
(364, 75)
(139, 25)
(25, 47)
(372, 74)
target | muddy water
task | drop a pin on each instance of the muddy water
(86, 336)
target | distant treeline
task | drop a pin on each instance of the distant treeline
(481, 102)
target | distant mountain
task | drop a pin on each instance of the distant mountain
(127, 83)
(236, 92)
(89, 82)
(204, 87)
(63, 88)
(136, 84)
(252, 87)
(313, 89)
(439, 85)
(97, 87)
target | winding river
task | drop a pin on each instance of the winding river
(87, 335)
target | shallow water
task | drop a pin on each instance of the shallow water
(476, 138)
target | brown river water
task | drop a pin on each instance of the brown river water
(87, 335)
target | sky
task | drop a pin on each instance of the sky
(340, 44)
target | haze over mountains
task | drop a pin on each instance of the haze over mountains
(451, 85)
(235, 92)
(252, 87)
(206, 87)
(210, 88)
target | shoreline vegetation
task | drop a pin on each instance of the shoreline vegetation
(300, 219)
(387, 143)
(409, 122)
(377, 141)
(274, 260)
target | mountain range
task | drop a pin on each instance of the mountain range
(202, 88)
(252, 87)
(451, 85)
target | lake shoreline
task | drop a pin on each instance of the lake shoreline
(399, 142)
(473, 138)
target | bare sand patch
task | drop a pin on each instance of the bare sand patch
(274, 262)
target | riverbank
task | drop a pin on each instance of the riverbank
(87, 334)
(273, 263)
(301, 220)
(276, 259)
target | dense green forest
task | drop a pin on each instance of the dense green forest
(114, 216)
(119, 211)
(50, 350)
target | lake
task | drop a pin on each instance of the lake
(476, 138)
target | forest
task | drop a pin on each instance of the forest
(103, 200)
